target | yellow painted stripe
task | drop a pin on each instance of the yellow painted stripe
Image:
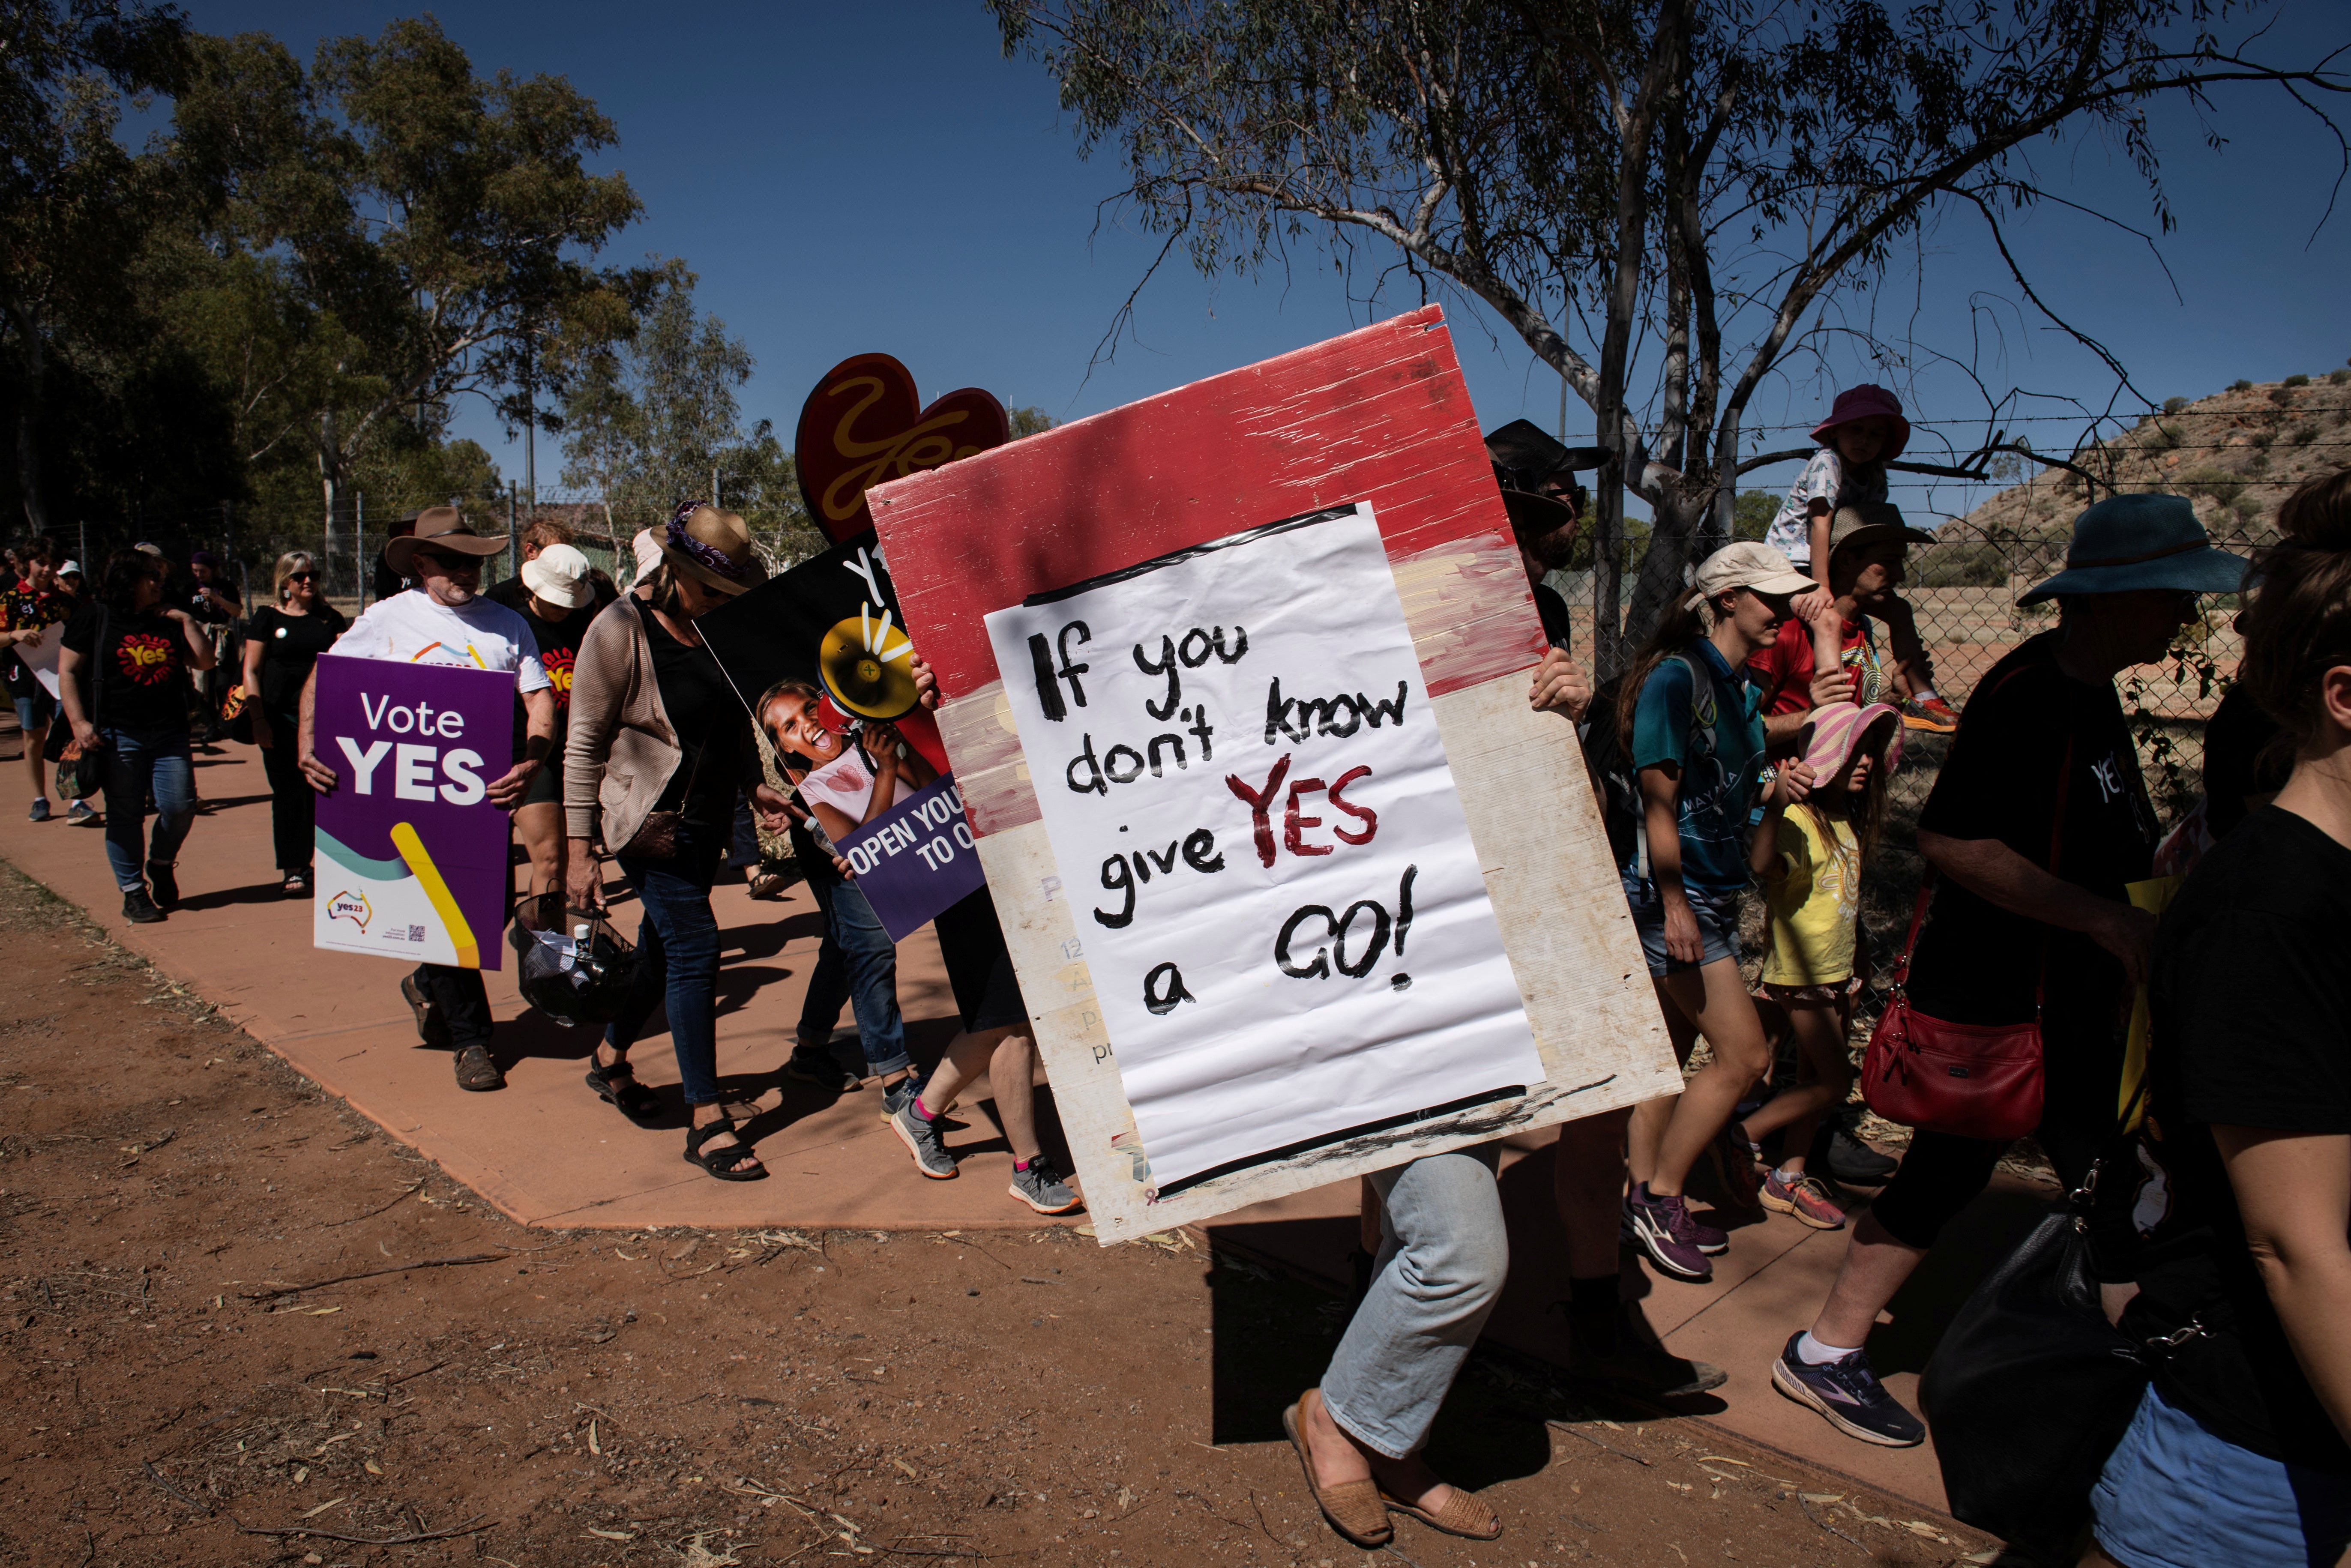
(428, 876)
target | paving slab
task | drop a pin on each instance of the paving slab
(544, 1150)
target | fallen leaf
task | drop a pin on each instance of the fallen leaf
(612, 1534)
(372, 1467)
(1822, 1496)
(593, 1447)
(320, 1311)
(907, 1467)
(324, 1506)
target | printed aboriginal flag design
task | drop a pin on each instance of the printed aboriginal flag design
(558, 665)
(144, 658)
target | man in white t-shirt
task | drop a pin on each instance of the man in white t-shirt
(445, 622)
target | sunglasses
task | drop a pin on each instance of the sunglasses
(301, 577)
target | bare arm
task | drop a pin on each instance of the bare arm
(1788, 785)
(2294, 1192)
(1993, 872)
(199, 643)
(253, 647)
(538, 737)
(262, 737)
(1661, 815)
(69, 665)
(321, 777)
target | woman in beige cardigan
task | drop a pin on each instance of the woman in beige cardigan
(659, 744)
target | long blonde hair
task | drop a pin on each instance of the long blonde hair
(289, 563)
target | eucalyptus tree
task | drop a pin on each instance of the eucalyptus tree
(1700, 181)
(422, 234)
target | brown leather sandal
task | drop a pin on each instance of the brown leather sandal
(1354, 1508)
(477, 1071)
(1462, 1515)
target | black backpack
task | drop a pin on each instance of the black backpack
(1614, 777)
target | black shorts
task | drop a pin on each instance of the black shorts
(979, 968)
(545, 785)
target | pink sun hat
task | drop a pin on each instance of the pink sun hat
(1866, 402)
(1838, 729)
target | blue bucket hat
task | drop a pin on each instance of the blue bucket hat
(2129, 542)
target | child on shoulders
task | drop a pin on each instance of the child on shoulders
(1864, 431)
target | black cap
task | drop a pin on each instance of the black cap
(1525, 454)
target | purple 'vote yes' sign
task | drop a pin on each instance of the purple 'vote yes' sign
(412, 854)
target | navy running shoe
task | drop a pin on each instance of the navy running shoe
(1848, 1393)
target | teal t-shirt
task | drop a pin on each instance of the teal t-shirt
(1719, 750)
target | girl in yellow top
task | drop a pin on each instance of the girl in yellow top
(1809, 852)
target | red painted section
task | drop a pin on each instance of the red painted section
(1380, 415)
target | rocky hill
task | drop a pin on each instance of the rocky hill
(2236, 455)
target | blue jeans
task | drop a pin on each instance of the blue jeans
(677, 943)
(139, 761)
(1443, 1258)
(859, 965)
(1717, 924)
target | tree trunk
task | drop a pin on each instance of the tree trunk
(331, 477)
(34, 361)
(1676, 525)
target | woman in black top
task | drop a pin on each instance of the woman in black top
(671, 859)
(122, 677)
(281, 643)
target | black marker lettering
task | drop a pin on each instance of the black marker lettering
(1071, 672)
(1110, 765)
(1202, 729)
(1404, 906)
(1362, 966)
(1167, 666)
(1163, 997)
(1198, 849)
(1159, 740)
(1094, 785)
(1049, 689)
(1321, 968)
(1115, 880)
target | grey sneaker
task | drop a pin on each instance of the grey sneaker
(40, 812)
(894, 1098)
(1041, 1188)
(79, 811)
(923, 1141)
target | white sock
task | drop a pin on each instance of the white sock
(1812, 1352)
(1923, 694)
(1791, 1174)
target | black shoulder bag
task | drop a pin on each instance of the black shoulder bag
(82, 775)
(2032, 1388)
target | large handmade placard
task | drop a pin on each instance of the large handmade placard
(412, 854)
(1380, 418)
(1291, 938)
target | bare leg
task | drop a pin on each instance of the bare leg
(1012, 1072)
(540, 828)
(1715, 997)
(968, 1055)
(1651, 1118)
(39, 770)
(1874, 1267)
(1588, 1184)
(1820, 1042)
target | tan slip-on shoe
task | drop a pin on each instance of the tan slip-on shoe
(1462, 1515)
(1354, 1508)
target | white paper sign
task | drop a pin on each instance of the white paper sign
(40, 656)
(1251, 811)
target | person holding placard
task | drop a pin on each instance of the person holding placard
(444, 621)
(28, 610)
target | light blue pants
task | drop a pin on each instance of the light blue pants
(1443, 1258)
(141, 761)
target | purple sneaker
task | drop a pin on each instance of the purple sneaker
(1662, 1228)
(1846, 1391)
(1711, 1240)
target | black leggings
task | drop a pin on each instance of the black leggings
(1941, 1174)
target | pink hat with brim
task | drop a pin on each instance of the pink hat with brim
(1838, 728)
(1866, 402)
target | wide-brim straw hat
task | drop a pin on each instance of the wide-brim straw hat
(2126, 543)
(443, 527)
(714, 548)
(559, 574)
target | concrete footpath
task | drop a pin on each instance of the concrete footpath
(547, 1152)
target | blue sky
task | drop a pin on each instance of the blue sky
(850, 178)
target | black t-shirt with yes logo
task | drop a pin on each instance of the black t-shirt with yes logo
(139, 680)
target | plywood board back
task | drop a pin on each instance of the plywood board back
(1378, 416)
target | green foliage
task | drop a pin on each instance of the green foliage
(2338, 378)
(2210, 484)
(2297, 379)
(1029, 422)
(2281, 396)
(2240, 384)
(2304, 434)
(2161, 437)
(649, 420)
(1751, 513)
(2174, 404)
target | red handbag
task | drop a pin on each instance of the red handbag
(1969, 1080)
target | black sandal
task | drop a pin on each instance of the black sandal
(726, 1164)
(617, 1086)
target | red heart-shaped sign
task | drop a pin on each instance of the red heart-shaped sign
(861, 426)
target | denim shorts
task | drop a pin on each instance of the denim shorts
(1717, 925)
(34, 712)
(2176, 1495)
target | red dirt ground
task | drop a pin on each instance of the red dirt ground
(700, 1398)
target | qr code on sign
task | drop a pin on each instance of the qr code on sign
(416, 934)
